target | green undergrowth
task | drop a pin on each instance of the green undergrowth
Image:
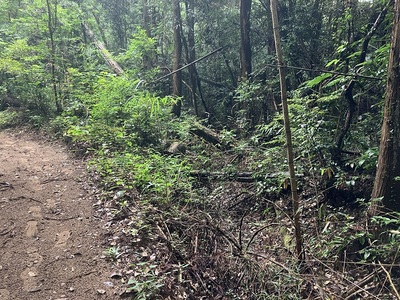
(213, 222)
(124, 133)
(156, 177)
(8, 118)
(212, 218)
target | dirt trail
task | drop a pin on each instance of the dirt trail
(50, 241)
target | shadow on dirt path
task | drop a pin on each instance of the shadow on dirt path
(50, 241)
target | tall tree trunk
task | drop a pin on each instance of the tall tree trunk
(386, 183)
(148, 63)
(316, 17)
(177, 77)
(245, 43)
(293, 183)
(146, 18)
(191, 52)
(51, 24)
(100, 28)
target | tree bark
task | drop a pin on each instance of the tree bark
(177, 76)
(191, 52)
(146, 18)
(209, 136)
(245, 43)
(100, 28)
(103, 51)
(148, 63)
(290, 157)
(387, 185)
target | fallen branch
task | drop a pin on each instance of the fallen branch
(59, 219)
(354, 75)
(25, 198)
(103, 51)
(355, 289)
(213, 83)
(390, 281)
(188, 65)
(238, 176)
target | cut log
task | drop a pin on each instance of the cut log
(209, 136)
(176, 148)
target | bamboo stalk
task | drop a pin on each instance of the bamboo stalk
(290, 156)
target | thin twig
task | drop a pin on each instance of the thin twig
(350, 262)
(274, 262)
(224, 234)
(323, 71)
(241, 226)
(257, 232)
(281, 210)
(345, 279)
(57, 178)
(82, 275)
(353, 290)
(390, 280)
(188, 65)
(27, 198)
(59, 219)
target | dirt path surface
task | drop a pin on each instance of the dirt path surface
(50, 241)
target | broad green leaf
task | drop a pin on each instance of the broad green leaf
(332, 62)
(318, 80)
(357, 53)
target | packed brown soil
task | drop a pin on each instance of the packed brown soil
(50, 240)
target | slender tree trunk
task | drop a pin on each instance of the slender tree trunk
(231, 72)
(191, 52)
(316, 17)
(293, 183)
(51, 24)
(148, 63)
(146, 18)
(177, 77)
(203, 101)
(386, 183)
(101, 30)
(245, 43)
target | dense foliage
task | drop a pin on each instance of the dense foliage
(201, 202)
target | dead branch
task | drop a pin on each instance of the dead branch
(390, 281)
(103, 51)
(188, 65)
(238, 176)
